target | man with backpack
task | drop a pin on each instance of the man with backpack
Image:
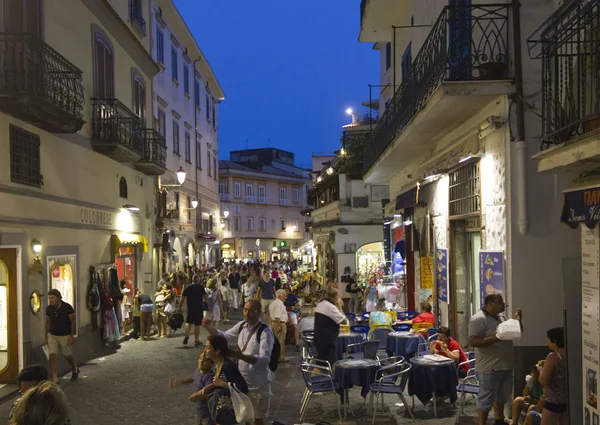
(353, 289)
(258, 353)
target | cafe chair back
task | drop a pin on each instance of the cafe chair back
(380, 334)
(422, 326)
(406, 315)
(318, 379)
(360, 329)
(423, 349)
(402, 327)
(351, 318)
(390, 379)
(432, 334)
(363, 350)
(466, 385)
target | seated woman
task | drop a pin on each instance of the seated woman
(533, 396)
(380, 318)
(449, 347)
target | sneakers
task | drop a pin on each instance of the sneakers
(197, 344)
(185, 340)
(75, 375)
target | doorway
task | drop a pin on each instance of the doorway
(9, 328)
(464, 286)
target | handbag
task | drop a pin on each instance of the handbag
(242, 405)
(220, 407)
(170, 308)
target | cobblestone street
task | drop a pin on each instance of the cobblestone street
(131, 387)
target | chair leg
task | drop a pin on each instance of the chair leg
(303, 399)
(375, 410)
(406, 406)
(305, 407)
(434, 405)
(337, 400)
(370, 403)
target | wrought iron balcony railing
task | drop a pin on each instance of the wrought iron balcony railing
(135, 15)
(155, 148)
(39, 85)
(569, 45)
(466, 43)
(113, 122)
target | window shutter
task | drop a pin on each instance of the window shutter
(100, 77)
(142, 100)
(15, 16)
(110, 81)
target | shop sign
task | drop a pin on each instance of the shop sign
(590, 287)
(491, 274)
(407, 199)
(379, 193)
(581, 206)
(441, 280)
(426, 278)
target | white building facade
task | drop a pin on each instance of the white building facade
(185, 103)
(453, 144)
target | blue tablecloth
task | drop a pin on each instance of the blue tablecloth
(351, 372)
(344, 340)
(403, 344)
(429, 378)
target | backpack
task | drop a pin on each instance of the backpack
(114, 290)
(275, 352)
(348, 288)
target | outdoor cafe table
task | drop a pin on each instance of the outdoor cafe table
(351, 372)
(403, 344)
(431, 378)
(345, 339)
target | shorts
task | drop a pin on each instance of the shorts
(494, 387)
(146, 308)
(261, 400)
(54, 342)
(554, 407)
(194, 317)
(265, 305)
(292, 318)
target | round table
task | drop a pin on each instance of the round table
(344, 339)
(431, 378)
(355, 372)
(404, 344)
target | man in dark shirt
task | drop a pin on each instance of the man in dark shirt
(328, 318)
(234, 284)
(61, 331)
(266, 294)
(195, 295)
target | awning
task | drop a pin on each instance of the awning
(582, 205)
(206, 237)
(408, 198)
(452, 155)
(129, 239)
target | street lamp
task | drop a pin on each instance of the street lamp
(194, 204)
(354, 116)
(349, 111)
(181, 174)
(225, 213)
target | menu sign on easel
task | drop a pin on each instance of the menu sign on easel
(590, 320)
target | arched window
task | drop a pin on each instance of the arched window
(139, 95)
(123, 188)
(104, 74)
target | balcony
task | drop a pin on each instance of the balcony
(569, 45)
(283, 201)
(462, 66)
(116, 131)
(135, 17)
(224, 197)
(38, 85)
(154, 158)
(262, 200)
(250, 199)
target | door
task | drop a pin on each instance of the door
(474, 287)
(459, 45)
(126, 269)
(9, 330)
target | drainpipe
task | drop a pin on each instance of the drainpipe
(520, 145)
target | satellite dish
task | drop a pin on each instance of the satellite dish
(343, 231)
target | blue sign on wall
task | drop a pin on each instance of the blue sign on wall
(441, 279)
(491, 274)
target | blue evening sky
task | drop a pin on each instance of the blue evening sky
(289, 70)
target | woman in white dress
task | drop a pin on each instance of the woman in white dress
(214, 297)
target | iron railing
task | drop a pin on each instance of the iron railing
(353, 143)
(28, 66)
(466, 43)
(135, 15)
(112, 121)
(155, 147)
(569, 45)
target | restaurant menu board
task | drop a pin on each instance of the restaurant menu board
(441, 279)
(590, 319)
(491, 274)
(426, 279)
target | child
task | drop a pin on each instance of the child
(533, 395)
(203, 377)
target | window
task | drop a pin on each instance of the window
(388, 56)
(189, 211)
(176, 137)
(222, 187)
(104, 81)
(160, 47)
(174, 70)
(282, 221)
(22, 17)
(249, 190)
(198, 156)
(162, 123)
(237, 224)
(210, 222)
(136, 14)
(186, 80)
(464, 190)
(197, 93)
(237, 189)
(282, 194)
(208, 164)
(262, 193)
(216, 175)
(123, 188)
(406, 61)
(207, 108)
(250, 224)
(296, 225)
(263, 224)
(25, 157)
(214, 120)
(177, 201)
(188, 148)
(139, 97)
(237, 209)
(296, 195)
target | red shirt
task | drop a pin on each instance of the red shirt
(425, 317)
(454, 346)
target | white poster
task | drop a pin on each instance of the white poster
(590, 320)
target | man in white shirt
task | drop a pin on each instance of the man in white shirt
(279, 318)
(256, 341)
